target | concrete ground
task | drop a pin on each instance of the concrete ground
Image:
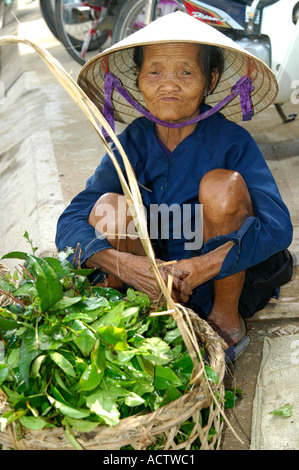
(48, 150)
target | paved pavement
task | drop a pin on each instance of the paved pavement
(48, 150)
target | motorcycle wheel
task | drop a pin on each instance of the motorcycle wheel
(131, 16)
(73, 27)
(47, 8)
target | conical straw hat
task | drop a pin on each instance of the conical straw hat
(177, 27)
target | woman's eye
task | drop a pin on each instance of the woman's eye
(186, 72)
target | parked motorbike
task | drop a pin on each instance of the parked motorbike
(268, 29)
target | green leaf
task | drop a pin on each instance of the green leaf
(60, 382)
(211, 374)
(62, 269)
(28, 352)
(47, 341)
(8, 324)
(142, 383)
(184, 363)
(68, 410)
(71, 437)
(114, 337)
(63, 363)
(64, 303)
(138, 298)
(81, 425)
(83, 272)
(113, 317)
(98, 356)
(164, 378)
(104, 406)
(7, 286)
(171, 394)
(36, 365)
(121, 357)
(93, 306)
(11, 395)
(47, 283)
(132, 399)
(129, 317)
(7, 313)
(58, 395)
(15, 255)
(91, 378)
(172, 335)
(84, 339)
(4, 369)
(27, 289)
(78, 316)
(10, 417)
(33, 423)
(154, 350)
(111, 294)
(285, 411)
(230, 399)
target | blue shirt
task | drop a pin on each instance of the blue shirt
(174, 177)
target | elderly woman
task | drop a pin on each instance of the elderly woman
(185, 154)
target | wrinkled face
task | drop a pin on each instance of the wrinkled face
(171, 80)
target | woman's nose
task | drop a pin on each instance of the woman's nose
(169, 81)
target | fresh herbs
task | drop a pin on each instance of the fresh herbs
(77, 355)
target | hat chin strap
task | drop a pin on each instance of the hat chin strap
(243, 87)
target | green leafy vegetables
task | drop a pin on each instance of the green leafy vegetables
(79, 356)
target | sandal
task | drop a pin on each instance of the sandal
(232, 352)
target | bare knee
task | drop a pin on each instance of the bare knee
(108, 206)
(226, 192)
(111, 217)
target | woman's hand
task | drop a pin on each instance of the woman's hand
(202, 268)
(140, 275)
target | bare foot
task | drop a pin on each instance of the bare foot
(232, 334)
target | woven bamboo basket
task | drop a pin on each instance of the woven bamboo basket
(142, 431)
(139, 431)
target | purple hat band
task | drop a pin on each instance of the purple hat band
(243, 87)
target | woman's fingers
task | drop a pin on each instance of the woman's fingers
(144, 280)
(180, 288)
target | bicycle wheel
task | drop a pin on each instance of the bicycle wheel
(131, 16)
(83, 30)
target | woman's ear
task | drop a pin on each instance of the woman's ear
(214, 80)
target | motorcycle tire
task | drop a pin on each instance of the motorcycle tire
(73, 41)
(130, 17)
(47, 8)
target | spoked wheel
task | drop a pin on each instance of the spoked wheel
(83, 30)
(132, 16)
